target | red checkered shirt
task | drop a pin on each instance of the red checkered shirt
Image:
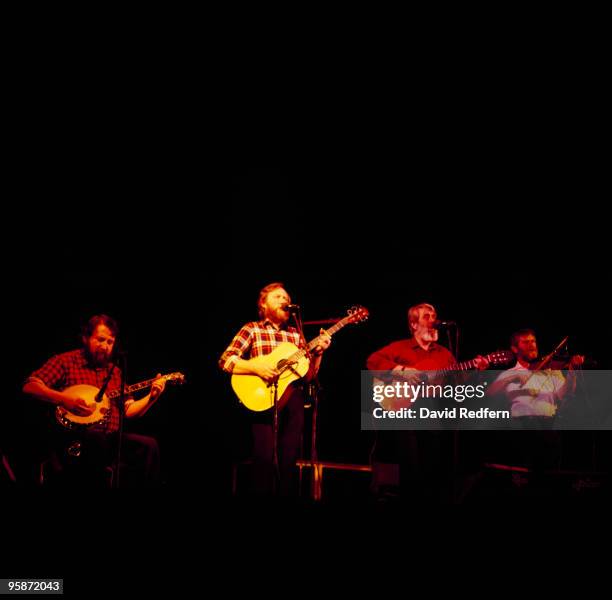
(73, 368)
(256, 338)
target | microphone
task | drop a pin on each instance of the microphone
(443, 324)
(290, 307)
(102, 390)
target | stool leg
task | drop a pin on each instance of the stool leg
(300, 481)
(41, 474)
(317, 473)
(111, 477)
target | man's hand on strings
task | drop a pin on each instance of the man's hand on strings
(268, 374)
(158, 386)
(481, 363)
(323, 343)
(576, 361)
(77, 405)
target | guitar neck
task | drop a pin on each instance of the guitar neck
(333, 329)
(313, 344)
(466, 365)
(132, 388)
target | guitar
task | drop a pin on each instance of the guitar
(496, 359)
(292, 364)
(102, 409)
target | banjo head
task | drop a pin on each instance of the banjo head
(100, 414)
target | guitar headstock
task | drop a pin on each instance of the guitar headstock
(358, 314)
(501, 357)
(175, 378)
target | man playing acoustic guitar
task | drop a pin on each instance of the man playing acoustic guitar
(423, 457)
(256, 339)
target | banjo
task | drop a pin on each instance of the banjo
(102, 406)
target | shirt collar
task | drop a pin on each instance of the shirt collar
(268, 323)
(414, 345)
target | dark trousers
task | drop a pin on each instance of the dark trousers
(84, 459)
(427, 466)
(291, 426)
(536, 449)
(140, 462)
(425, 461)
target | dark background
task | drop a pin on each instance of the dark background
(181, 268)
(488, 166)
(178, 251)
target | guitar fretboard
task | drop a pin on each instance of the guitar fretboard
(137, 386)
(466, 365)
(313, 344)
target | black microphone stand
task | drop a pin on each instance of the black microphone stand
(312, 385)
(313, 393)
(122, 356)
(74, 447)
(275, 463)
(455, 481)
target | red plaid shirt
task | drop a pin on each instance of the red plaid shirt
(73, 368)
(256, 338)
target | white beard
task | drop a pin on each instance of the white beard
(430, 335)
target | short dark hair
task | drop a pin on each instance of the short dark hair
(520, 333)
(88, 329)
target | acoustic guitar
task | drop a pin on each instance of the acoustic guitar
(291, 362)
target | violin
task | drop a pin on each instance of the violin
(561, 362)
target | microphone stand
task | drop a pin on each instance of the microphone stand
(313, 394)
(74, 447)
(455, 482)
(311, 390)
(121, 409)
(105, 383)
(453, 348)
(275, 463)
(450, 344)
